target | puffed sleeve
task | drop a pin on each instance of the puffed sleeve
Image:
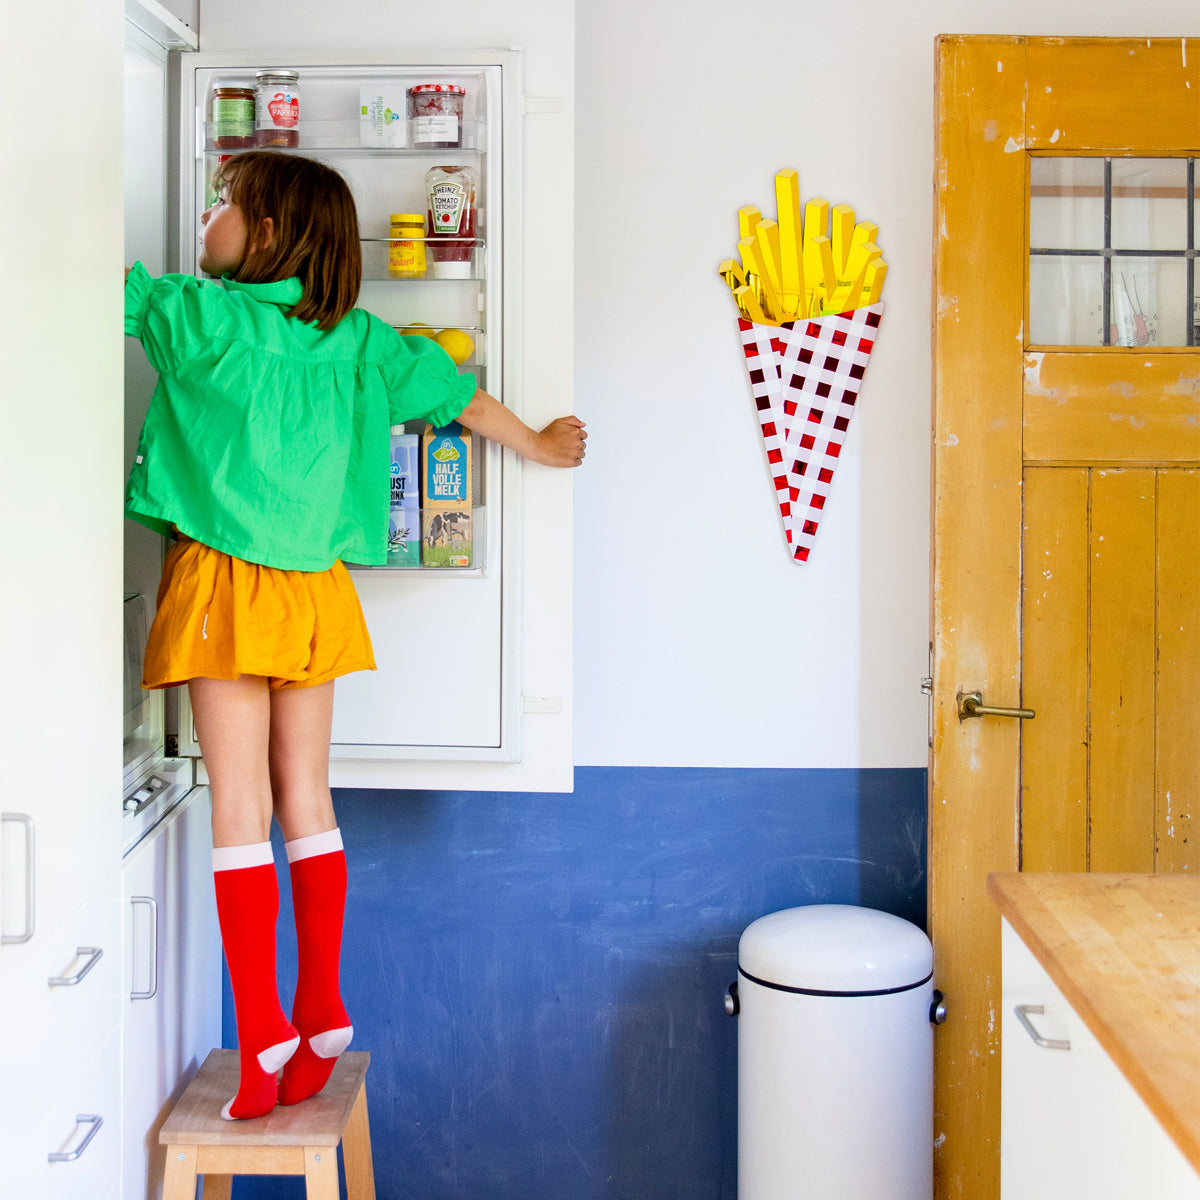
(172, 316)
(422, 381)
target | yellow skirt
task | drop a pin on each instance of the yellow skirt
(220, 618)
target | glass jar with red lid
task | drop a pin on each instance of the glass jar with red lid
(435, 113)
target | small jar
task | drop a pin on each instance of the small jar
(277, 104)
(435, 113)
(233, 116)
(406, 254)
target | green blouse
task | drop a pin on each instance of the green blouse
(268, 438)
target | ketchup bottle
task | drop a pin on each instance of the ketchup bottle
(450, 192)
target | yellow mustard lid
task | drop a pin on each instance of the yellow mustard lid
(408, 219)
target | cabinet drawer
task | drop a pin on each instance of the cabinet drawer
(61, 1026)
(1071, 1123)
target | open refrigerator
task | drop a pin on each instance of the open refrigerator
(444, 636)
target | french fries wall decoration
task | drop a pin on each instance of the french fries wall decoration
(808, 298)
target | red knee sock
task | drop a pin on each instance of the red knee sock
(247, 907)
(318, 867)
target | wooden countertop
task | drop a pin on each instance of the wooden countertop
(1125, 951)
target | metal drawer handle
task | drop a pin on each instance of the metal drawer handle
(72, 1155)
(94, 955)
(1023, 1012)
(152, 991)
(9, 939)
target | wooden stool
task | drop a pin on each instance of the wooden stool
(297, 1140)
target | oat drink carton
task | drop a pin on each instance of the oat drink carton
(404, 518)
(447, 539)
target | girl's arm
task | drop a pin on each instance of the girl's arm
(560, 444)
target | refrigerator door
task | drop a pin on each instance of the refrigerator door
(444, 638)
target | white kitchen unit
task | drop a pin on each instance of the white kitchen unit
(171, 981)
(60, 612)
(1072, 1122)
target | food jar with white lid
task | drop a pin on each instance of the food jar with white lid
(435, 112)
(277, 107)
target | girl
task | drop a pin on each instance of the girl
(264, 452)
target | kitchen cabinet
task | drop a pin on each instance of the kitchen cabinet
(1073, 1122)
(170, 981)
(61, 1046)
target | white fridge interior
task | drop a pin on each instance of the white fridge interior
(443, 637)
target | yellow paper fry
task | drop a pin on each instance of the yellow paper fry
(850, 288)
(732, 272)
(748, 303)
(816, 221)
(748, 217)
(841, 221)
(770, 297)
(873, 283)
(791, 253)
(766, 245)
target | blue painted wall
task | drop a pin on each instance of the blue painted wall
(540, 978)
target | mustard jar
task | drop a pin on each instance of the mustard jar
(406, 253)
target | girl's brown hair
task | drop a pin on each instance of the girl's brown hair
(315, 230)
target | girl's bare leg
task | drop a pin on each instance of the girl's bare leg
(301, 723)
(233, 721)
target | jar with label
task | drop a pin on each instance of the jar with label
(435, 113)
(451, 194)
(406, 252)
(233, 116)
(277, 105)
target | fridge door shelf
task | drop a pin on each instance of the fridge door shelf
(473, 267)
(475, 332)
(343, 137)
(439, 546)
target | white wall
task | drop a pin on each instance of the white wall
(697, 641)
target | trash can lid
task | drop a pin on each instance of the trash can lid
(837, 948)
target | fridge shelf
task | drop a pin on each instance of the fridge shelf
(343, 136)
(474, 332)
(473, 267)
(439, 545)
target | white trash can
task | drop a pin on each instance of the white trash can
(835, 1007)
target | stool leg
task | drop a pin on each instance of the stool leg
(179, 1179)
(217, 1187)
(320, 1173)
(356, 1151)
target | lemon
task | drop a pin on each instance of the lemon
(417, 329)
(456, 343)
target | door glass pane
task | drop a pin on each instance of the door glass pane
(1066, 300)
(1112, 250)
(1149, 204)
(1149, 302)
(1066, 203)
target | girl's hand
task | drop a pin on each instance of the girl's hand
(561, 444)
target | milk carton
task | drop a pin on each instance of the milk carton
(383, 114)
(446, 535)
(404, 519)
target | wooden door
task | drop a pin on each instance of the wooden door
(1066, 564)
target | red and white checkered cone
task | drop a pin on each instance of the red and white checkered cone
(806, 378)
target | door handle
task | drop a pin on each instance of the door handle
(150, 992)
(970, 704)
(30, 862)
(93, 954)
(81, 1119)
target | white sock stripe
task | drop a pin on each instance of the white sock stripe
(314, 844)
(238, 858)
